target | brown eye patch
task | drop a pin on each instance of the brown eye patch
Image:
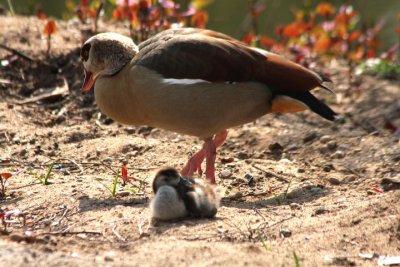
(85, 52)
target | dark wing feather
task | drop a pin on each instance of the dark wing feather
(215, 57)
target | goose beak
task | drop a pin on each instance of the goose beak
(88, 82)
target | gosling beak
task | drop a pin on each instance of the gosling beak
(88, 82)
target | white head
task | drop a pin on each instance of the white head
(105, 54)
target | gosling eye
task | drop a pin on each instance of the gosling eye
(85, 52)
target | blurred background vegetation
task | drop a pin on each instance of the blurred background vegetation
(232, 16)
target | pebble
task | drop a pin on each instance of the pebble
(325, 139)
(242, 155)
(334, 181)
(319, 211)
(295, 206)
(284, 232)
(332, 145)
(292, 147)
(235, 194)
(108, 159)
(250, 179)
(225, 174)
(130, 130)
(310, 137)
(349, 179)
(338, 155)
(294, 194)
(275, 148)
(123, 194)
(300, 170)
(328, 167)
(315, 190)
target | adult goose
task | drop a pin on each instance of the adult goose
(195, 82)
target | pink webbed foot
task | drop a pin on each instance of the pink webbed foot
(194, 164)
(209, 153)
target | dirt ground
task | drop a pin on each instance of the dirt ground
(292, 184)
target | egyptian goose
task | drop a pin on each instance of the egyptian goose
(195, 82)
(176, 197)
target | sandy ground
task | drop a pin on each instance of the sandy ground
(316, 190)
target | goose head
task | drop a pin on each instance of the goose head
(105, 54)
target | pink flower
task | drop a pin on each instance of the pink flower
(168, 4)
(130, 2)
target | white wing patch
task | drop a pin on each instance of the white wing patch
(183, 81)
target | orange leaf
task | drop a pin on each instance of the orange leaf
(40, 14)
(377, 189)
(84, 3)
(346, 15)
(267, 42)
(398, 30)
(354, 36)
(248, 38)
(117, 14)
(50, 28)
(325, 9)
(199, 19)
(6, 175)
(124, 172)
(295, 29)
(371, 54)
(357, 54)
(322, 44)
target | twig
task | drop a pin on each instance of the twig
(259, 213)
(278, 177)
(114, 230)
(71, 233)
(254, 21)
(238, 228)
(26, 57)
(141, 232)
(281, 221)
(63, 215)
(55, 92)
(98, 11)
(10, 5)
(58, 161)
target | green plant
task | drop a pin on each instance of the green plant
(113, 188)
(136, 190)
(296, 259)
(281, 198)
(262, 240)
(44, 180)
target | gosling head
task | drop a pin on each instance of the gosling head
(166, 176)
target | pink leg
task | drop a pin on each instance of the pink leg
(194, 163)
(211, 153)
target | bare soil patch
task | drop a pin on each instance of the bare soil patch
(297, 183)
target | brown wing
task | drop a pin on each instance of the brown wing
(208, 55)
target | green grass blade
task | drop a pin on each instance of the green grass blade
(262, 240)
(296, 259)
(46, 178)
(114, 188)
(37, 176)
(103, 184)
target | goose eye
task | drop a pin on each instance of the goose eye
(85, 52)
